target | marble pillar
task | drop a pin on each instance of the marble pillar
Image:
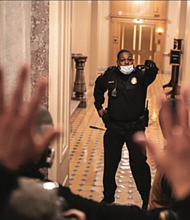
(39, 42)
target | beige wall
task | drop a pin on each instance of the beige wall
(104, 30)
(90, 35)
(186, 69)
(81, 27)
(172, 30)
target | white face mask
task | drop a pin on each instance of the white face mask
(126, 70)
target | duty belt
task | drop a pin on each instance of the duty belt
(129, 125)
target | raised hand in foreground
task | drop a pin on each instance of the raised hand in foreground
(18, 140)
(174, 160)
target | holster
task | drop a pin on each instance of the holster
(106, 119)
(145, 117)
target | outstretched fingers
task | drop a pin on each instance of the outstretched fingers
(1, 91)
(141, 139)
(17, 98)
(165, 116)
(183, 110)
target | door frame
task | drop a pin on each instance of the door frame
(59, 84)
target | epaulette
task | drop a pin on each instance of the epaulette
(109, 69)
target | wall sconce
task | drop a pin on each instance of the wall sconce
(137, 20)
(159, 30)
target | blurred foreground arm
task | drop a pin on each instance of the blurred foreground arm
(18, 140)
(174, 160)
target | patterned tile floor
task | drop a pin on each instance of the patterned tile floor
(86, 154)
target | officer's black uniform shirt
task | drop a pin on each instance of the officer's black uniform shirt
(131, 89)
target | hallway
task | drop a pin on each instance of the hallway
(86, 150)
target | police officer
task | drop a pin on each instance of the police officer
(124, 115)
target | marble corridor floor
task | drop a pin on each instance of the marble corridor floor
(86, 151)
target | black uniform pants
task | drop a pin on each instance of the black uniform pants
(113, 143)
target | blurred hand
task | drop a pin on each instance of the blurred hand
(75, 214)
(174, 160)
(18, 140)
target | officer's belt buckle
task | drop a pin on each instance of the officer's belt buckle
(129, 125)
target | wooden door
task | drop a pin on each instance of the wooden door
(139, 39)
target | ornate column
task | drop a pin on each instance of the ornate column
(79, 84)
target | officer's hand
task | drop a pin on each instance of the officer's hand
(150, 65)
(101, 112)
